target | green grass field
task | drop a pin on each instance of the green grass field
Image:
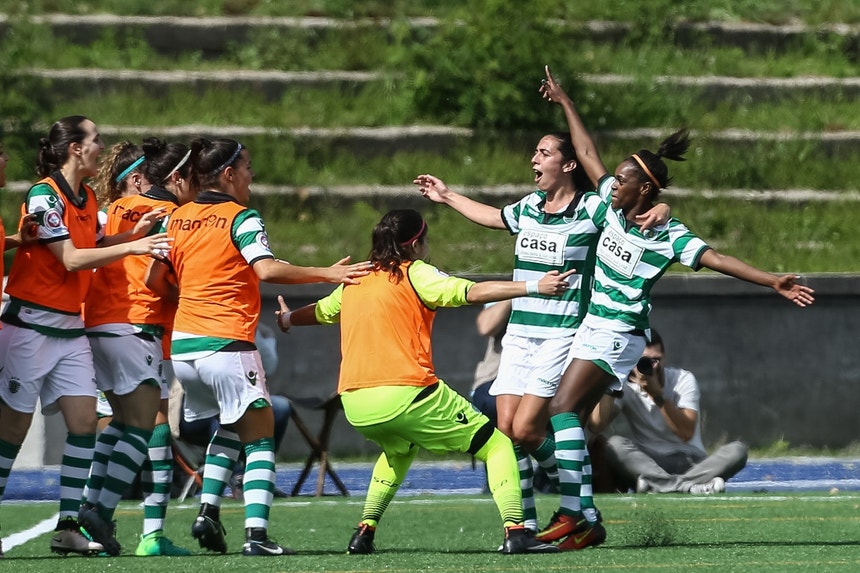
(646, 533)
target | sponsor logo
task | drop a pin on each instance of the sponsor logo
(618, 253)
(541, 247)
(616, 345)
(461, 418)
(14, 385)
(252, 377)
(149, 359)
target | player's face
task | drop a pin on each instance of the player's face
(550, 168)
(89, 149)
(628, 190)
(242, 176)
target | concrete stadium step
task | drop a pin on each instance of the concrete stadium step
(511, 192)
(273, 83)
(213, 35)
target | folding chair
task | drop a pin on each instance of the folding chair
(188, 458)
(319, 443)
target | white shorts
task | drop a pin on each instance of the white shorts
(615, 352)
(38, 367)
(224, 383)
(123, 363)
(531, 366)
(103, 407)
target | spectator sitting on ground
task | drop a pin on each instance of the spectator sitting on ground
(665, 453)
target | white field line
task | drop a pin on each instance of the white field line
(23, 537)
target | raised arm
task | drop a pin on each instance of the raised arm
(785, 285)
(435, 189)
(583, 144)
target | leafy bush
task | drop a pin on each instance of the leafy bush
(482, 68)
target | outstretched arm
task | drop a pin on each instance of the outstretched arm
(435, 189)
(800, 295)
(286, 318)
(281, 272)
(583, 144)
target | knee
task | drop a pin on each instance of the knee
(740, 452)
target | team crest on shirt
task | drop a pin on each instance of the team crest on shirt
(53, 220)
(252, 377)
(263, 239)
(618, 253)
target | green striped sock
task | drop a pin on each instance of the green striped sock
(570, 454)
(221, 456)
(524, 464)
(156, 479)
(259, 482)
(101, 456)
(8, 453)
(125, 461)
(75, 467)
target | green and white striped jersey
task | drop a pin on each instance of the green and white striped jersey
(552, 241)
(630, 263)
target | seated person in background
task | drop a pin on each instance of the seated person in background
(492, 322)
(666, 453)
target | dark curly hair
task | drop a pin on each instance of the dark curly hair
(392, 238)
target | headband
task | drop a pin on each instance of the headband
(130, 168)
(179, 165)
(417, 235)
(647, 171)
(226, 163)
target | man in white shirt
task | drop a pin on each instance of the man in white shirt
(665, 453)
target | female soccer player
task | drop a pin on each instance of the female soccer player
(389, 390)
(220, 255)
(43, 350)
(126, 323)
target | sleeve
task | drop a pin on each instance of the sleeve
(249, 236)
(327, 309)
(604, 188)
(43, 202)
(686, 246)
(437, 289)
(687, 390)
(511, 215)
(596, 209)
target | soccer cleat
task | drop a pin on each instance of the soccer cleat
(72, 541)
(592, 535)
(560, 526)
(101, 531)
(518, 540)
(265, 548)
(209, 533)
(362, 540)
(156, 543)
(716, 485)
